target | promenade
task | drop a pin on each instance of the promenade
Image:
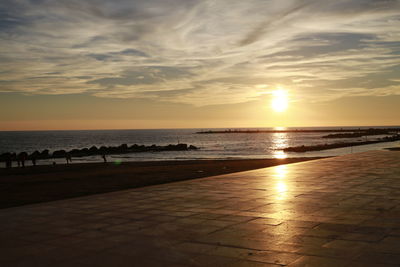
(341, 211)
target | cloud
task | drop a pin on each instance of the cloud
(117, 55)
(200, 52)
(272, 22)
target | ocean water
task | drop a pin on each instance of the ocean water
(212, 146)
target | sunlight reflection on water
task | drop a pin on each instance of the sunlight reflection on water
(279, 154)
(279, 142)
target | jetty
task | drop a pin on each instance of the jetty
(340, 145)
(362, 131)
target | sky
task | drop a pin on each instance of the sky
(125, 64)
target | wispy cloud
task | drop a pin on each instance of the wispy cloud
(200, 52)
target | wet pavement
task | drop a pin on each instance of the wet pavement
(341, 211)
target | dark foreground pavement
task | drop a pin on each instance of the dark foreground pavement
(342, 211)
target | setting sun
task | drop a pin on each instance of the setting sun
(279, 101)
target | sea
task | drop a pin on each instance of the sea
(211, 146)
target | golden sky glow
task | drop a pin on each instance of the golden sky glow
(100, 64)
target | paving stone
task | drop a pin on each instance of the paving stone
(340, 211)
(308, 261)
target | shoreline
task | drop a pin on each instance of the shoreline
(20, 157)
(35, 184)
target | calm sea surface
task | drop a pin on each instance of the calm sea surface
(212, 146)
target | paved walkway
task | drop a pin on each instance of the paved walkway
(342, 211)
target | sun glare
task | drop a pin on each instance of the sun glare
(280, 100)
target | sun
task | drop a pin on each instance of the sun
(280, 100)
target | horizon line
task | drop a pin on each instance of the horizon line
(185, 128)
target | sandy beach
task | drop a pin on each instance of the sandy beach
(21, 186)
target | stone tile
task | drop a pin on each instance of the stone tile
(271, 257)
(309, 240)
(112, 259)
(212, 260)
(389, 244)
(373, 257)
(245, 263)
(307, 261)
(362, 237)
(194, 247)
